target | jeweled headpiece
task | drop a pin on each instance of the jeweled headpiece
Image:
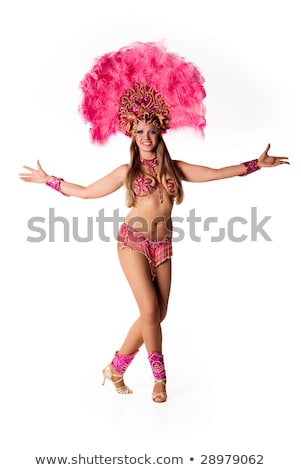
(142, 82)
(142, 102)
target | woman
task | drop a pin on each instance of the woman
(153, 183)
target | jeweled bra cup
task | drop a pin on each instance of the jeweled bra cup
(145, 185)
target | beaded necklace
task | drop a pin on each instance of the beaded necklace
(152, 164)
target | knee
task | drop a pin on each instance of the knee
(163, 314)
(150, 314)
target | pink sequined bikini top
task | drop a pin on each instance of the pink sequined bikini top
(145, 185)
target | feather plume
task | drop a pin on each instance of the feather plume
(179, 82)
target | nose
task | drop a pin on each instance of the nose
(146, 136)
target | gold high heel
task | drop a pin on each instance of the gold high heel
(159, 397)
(108, 374)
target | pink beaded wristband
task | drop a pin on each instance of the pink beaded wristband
(55, 183)
(251, 167)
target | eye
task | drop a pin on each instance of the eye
(153, 132)
(140, 131)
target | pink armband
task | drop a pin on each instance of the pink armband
(251, 167)
(55, 183)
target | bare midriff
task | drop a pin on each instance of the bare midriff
(152, 217)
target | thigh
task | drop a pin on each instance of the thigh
(137, 272)
(162, 285)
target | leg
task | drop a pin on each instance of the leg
(162, 285)
(147, 329)
(161, 288)
(136, 269)
(134, 338)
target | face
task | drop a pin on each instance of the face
(146, 137)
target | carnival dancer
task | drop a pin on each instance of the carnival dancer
(142, 90)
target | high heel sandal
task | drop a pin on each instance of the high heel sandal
(159, 397)
(120, 363)
(108, 374)
(157, 364)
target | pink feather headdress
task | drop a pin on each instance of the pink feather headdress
(142, 81)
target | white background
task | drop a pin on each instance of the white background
(231, 339)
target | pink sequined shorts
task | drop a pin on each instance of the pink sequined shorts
(156, 252)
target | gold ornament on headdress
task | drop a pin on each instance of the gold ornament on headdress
(143, 102)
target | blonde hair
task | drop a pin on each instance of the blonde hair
(165, 168)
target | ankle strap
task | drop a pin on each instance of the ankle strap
(160, 381)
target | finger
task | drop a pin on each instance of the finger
(26, 179)
(279, 160)
(267, 149)
(28, 168)
(39, 166)
(26, 174)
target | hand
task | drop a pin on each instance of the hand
(266, 160)
(35, 176)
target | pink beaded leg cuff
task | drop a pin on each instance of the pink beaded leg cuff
(156, 361)
(251, 166)
(121, 363)
(55, 183)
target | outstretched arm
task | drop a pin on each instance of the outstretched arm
(199, 174)
(100, 188)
